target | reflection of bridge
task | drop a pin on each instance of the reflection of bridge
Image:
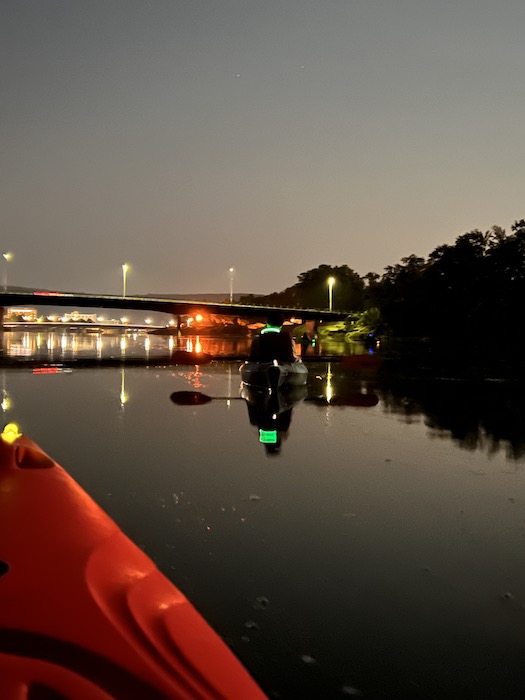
(176, 308)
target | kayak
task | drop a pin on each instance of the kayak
(84, 613)
(274, 374)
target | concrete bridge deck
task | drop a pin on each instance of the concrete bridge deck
(173, 307)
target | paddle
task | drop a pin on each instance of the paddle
(356, 399)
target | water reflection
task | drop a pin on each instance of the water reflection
(331, 385)
(124, 397)
(485, 415)
(63, 345)
(387, 567)
(476, 415)
(6, 399)
(271, 413)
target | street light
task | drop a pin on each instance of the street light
(7, 257)
(331, 281)
(124, 273)
(232, 275)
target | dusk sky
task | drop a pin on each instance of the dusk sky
(184, 137)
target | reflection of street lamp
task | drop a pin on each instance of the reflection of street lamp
(232, 275)
(124, 273)
(7, 257)
(123, 396)
(331, 281)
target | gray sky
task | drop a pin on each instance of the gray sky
(188, 136)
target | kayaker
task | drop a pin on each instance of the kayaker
(272, 343)
(305, 343)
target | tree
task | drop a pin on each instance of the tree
(311, 290)
(348, 288)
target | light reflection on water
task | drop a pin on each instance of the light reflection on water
(382, 549)
(62, 345)
(59, 345)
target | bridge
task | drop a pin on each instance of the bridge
(174, 307)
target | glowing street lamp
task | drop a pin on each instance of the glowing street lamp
(331, 281)
(125, 268)
(7, 257)
(232, 275)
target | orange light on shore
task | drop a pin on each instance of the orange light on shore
(199, 318)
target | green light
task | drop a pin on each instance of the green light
(271, 329)
(268, 436)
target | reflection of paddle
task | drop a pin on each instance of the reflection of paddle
(185, 357)
(355, 398)
(197, 398)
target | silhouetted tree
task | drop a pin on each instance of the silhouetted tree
(472, 290)
(347, 291)
(311, 291)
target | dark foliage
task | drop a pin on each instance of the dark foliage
(470, 291)
(311, 291)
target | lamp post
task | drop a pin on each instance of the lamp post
(124, 274)
(232, 275)
(331, 281)
(7, 257)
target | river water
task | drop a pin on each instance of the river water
(379, 553)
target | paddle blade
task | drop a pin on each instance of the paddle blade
(184, 357)
(356, 399)
(190, 398)
(362, 361)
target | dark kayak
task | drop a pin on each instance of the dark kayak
(84, 613)
(274, 374)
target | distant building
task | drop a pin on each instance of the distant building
(15, 313)
(79, 317)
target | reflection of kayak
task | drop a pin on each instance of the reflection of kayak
(271, 412)
(274, 403)
(84, 613)
(274, 374)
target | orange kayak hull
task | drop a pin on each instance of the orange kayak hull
(84, 613)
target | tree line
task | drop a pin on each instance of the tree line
(471, 290)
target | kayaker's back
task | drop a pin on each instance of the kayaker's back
(276, 345)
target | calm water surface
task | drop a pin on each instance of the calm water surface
(379, 554)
